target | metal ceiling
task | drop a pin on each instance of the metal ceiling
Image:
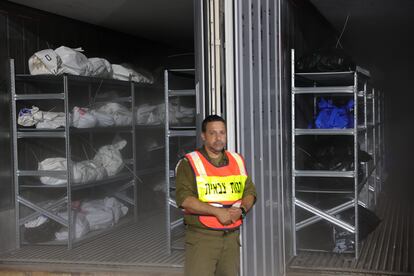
(167, 21)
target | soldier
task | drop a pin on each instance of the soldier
(216, 193)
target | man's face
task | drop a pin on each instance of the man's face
(215, 137)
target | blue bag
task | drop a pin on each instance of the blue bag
(331, 116)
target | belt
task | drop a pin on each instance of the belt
(212, 231)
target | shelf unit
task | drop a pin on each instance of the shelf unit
(367, 132)
(62, 90)
(173, 88)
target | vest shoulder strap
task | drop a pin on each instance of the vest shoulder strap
(239, 161)
(196, 163)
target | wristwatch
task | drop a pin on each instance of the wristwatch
(244, 212)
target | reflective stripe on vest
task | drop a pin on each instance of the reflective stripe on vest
(219, 186)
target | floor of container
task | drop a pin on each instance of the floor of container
(389, 250)
(141, 244)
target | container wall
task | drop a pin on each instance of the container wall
(267, 30)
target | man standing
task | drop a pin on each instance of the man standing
(213, 188)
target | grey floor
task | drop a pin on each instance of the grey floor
(389, 250)
(137, 244)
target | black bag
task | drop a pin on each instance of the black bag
(368, 221)
(330, 60)
(42, 233)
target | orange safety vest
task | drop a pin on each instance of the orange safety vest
(219, 186)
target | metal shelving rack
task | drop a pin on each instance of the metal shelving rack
(177, 132)
(126, 180)
(356, 85)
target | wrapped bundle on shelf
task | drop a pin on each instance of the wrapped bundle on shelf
(83, 118)
(121, 115)
(41, 119)
(110, 157)
(331, 116)
(65, 60)
(81, 226)
(108, 161)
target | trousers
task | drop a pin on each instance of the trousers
(211, 252)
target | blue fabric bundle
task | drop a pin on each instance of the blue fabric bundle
(331, 116)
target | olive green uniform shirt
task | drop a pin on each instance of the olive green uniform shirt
(186, 183)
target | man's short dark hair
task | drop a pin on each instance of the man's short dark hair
(209, 119)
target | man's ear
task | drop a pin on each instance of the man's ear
(203, 136)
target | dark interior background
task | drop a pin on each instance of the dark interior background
(378, 35)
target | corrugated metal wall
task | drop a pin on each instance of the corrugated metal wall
(266, 30)
(259, 78)
(6, 185)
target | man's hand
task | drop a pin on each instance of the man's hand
(235, 213)
(223, 215)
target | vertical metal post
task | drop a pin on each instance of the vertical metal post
(217, 57)
(200, 70)
(366, 142)
(279, 105)
(167, 163)
(293, 150)
(238, 19)
(134, 150)
(229, 77)
(356, 194)
(374, 144)
(71, 222)
(15, 153)
(268, 141)
(211, 56)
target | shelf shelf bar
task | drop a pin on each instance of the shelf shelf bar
(50, 96)
(308, 173)
(304, 131)
(41, 134)
(41, 173)
(324, 215)
(43, 211)
(177, 133)
(179, 93)
(331, 212)
(48, 206)
(324, 90)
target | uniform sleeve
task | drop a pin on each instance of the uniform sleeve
(249, 188)
(185, 182)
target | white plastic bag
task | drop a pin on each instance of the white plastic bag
(121, 115)
(29, 116)
(100, 67)
(103, 213)
(121, 72)
(45, 62)
(81, 226)
(53, 164)
(104, 120)
(185, 114)
(148, 115)
(42, 119)
(36, 222)
(110, 157)
(82, 118)
(87, 171)
(73, 61)
(98, 216)
(52, 120)
(118, 209)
